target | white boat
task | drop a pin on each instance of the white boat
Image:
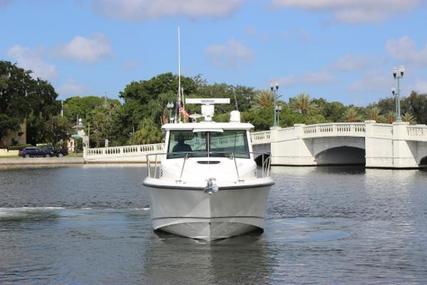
(208, 186)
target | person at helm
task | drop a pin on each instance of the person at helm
(181, 146)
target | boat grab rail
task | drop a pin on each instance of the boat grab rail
(154, 171)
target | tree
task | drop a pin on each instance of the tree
(80, 107)
(408, 117)
(148, 133)
(99, 124)
(385, 105)
(44, 107)
(57, 130)
(148, 98)
(24, 98)
(390, 117)
(417, 106)
(331, 111)
(351, 115)
(15, 83)
(303, 104)
(123, 124)
(264, 99)
(373, 114)
(262, 119)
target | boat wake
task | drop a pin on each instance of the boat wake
(45, 213)
(28, 213)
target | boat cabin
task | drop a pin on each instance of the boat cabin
(208, 139)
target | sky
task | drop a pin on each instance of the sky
(341, 50)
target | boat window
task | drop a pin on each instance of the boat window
(228, 143)
(203, 144)
(182, 142)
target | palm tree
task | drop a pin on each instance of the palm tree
(390, 117)
(351, 115)
(264, 99)
(303, 104)
(408, 117)
(373, 114)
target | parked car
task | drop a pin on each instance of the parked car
(33, 151)
(60, 152)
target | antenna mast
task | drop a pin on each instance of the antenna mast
(179, 99)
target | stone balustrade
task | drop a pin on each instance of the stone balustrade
(417, 132)
(130, 153)
(260, 137)
(334, 129)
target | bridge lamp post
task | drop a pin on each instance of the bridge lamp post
(278, 109)
(169, 105)
(274, 90)
(398, 73)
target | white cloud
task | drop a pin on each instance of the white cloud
(32, 59)
(289, 35)
(149, 9)
(87, 49)
(405, 50)
(231, 54)
(353, 11)
(71, 88)
(310, 78)
(373, 81)
(351, 63)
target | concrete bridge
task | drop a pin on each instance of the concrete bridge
(397, 145)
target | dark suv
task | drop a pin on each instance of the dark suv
(33, 151)
(60, 152)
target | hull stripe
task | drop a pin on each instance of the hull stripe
(237, 187)
(209, 218)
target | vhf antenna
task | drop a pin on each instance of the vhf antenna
(177, 111)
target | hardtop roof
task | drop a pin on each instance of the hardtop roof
(206, 126)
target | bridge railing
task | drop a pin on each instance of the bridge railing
(417, 132)
(122, 151)
(335, 129)
(263, 137)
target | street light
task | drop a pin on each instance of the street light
(278, 109)
(274, 90)
(398, 73)
(170, 107)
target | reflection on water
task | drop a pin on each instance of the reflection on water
(189, 261)
(328, 225)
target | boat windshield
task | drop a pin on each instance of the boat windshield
(208, 144)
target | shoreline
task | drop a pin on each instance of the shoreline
(7, 163)
(12, 161)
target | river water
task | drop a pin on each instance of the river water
(325, 225)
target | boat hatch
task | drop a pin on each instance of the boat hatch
(208, 161)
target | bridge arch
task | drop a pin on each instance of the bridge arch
(342, 155)
(339, 151)
(423, 162)
(320, 145)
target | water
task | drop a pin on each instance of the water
(327, 225)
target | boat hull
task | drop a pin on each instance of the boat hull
(196, 214)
